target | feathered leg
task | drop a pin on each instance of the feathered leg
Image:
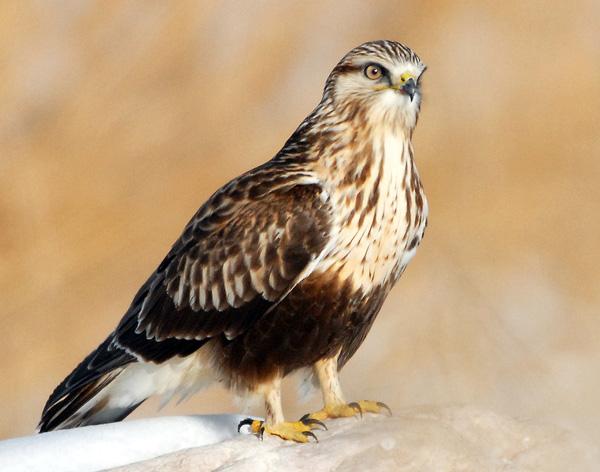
(275, 425)
(335, 405)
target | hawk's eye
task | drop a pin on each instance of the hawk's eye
(373, 71)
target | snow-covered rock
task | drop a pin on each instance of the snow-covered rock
(419, 439)
(425, 439)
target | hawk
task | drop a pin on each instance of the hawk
(283, 268)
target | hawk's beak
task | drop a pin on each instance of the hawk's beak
(407, 85)
(410, 88)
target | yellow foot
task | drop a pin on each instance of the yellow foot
(347, 410)
(299, 431)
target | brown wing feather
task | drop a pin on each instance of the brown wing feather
(239, 256)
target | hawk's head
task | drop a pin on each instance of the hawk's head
(379, 80)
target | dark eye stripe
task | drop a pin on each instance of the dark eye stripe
(347, 68)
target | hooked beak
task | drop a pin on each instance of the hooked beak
(410, 88)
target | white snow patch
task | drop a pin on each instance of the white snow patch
(93, 448)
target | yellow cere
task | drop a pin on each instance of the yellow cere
(407, 75)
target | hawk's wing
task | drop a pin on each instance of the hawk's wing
(240, 255)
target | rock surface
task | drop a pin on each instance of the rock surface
(422, 439)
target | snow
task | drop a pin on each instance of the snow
(452, 438)
(94, 448)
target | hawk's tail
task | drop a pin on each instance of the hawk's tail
(110, 383)
(88, 395)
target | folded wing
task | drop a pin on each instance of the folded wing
(234, 261)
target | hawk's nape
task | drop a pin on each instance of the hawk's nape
(284, 268)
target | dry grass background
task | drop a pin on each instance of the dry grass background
(119, 118)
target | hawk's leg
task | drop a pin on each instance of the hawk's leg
(275, 425)
(335, 405)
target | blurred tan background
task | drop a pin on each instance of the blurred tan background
(118, 119)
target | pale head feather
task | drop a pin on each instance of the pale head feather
(382, 101)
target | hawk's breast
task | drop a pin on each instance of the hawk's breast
(381, 220)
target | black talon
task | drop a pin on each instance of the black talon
(356, 406)
(385, 407)
(247, 421)
(261, 432)
(305, 417)
(312, 421)
(310, 434)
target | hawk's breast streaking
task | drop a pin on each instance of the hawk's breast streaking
(285, 267)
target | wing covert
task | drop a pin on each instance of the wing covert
(229, 266)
